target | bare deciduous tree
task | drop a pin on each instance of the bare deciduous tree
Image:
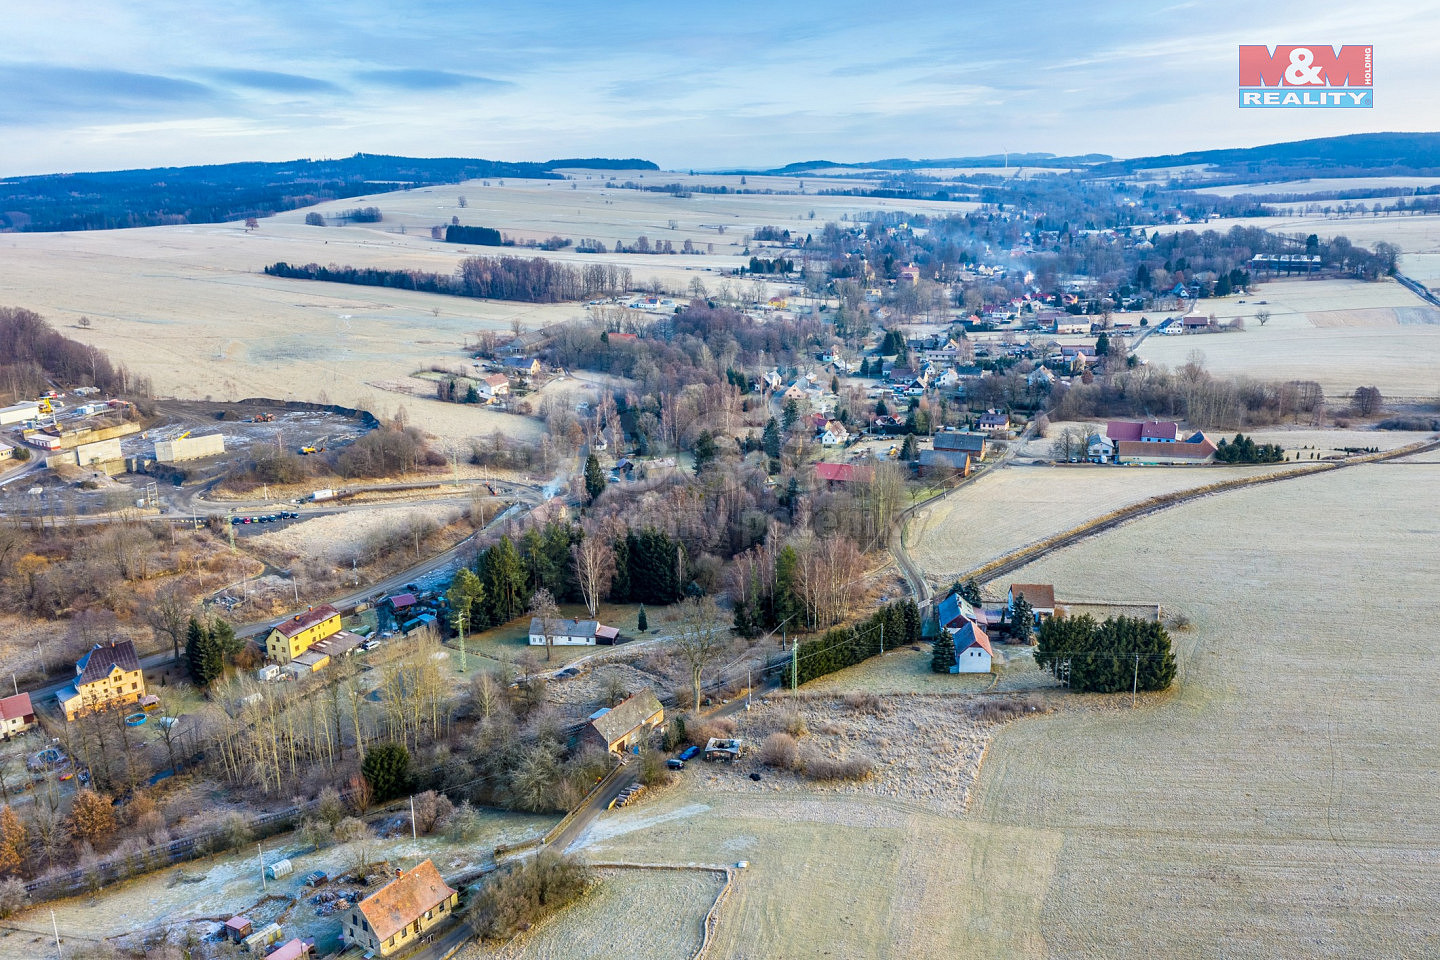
(544, 609)
(701, 637)
(594, 566)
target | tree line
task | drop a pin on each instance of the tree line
(895, 624)
(1122, 653)
(534, 280)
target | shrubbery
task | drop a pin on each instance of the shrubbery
(1121, 653)
(526, 893)
(846, 646)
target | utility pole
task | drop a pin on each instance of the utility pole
(56, 927)
(794, 665)
(413, 834)
(1135, 682)
(261, 851)
(882, 638)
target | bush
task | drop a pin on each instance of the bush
(652, 769)
(1390, 423)
(778, 751)
(794, 724)
(432, 811)
(997, 710)
(865, 703)
(702, 733)
(12, 896)
(518, 898)
(817, 766)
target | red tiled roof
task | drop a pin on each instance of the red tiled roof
(306, 620)
(16, 708)
(1155, 448)
(401, 901)
(842, 472)
(1040, 596)
(972, 636)
(1155, 430)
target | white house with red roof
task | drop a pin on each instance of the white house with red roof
(16, 715)
(973, 653)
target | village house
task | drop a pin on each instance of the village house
(931, 460)
(108, 676)
(1040, 378)
(571, 633)
(962, 441)
(290, 638)
(400, 912)
(16, 715)
(1149, 431)
(973, 653)
(624, 726)
(1067, 324)
(993, 422)
(492, 387)
(834, 473)
(528, 366)
(834, 434)
(1197, 449)
(1099, 449)
(1040, 596)
(954, 612)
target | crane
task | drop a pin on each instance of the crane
(184, 435)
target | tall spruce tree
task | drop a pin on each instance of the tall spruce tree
(770, 440)
(1022, 620)
(943, 656)
(202, 654)
(594, 478)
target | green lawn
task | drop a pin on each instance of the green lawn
(505, 644)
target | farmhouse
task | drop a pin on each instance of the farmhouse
(107, 676)
(290, 638)
(946, 460)
(400, 912)
(1040, 596)
(1099, 449)
(492, 387)
(625, 725)
(834, 434)
(16, 715)
(973, 653)
(963, 442)
(993, 422)
(571, 633)
(833, 473)
(1194, 321)
(955, 612)
(529, 366)
(1197, 449)
(1156, 431)
(1067, 324)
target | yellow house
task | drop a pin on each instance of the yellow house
(290, 638)
(107, 676)
(399, 913)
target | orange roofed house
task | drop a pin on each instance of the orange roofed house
(290, 638)
(400, 912)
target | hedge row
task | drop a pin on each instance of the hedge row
(897, 623)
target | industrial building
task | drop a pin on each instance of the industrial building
(189, 448)
(19, 412)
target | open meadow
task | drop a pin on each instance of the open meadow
(1022, 504)
(1280, 801)
(1342, 334)
(188, 307)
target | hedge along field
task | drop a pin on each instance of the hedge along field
(891, 626)
(1282, 794)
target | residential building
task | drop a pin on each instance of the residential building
(1039, 378)
(296, 949)
(571, 633)
(954, 612)
(1099, 449)
(290, 638)
(6, 450)
(108, 676)
(833, 473)
(834, 434)
(493, 386)
(1197, 449)
(962, 441)
(993, 422)
(973, 653)
(625, 725)
(1040, 596)
(1068, 324)
(399, 913)
(16, 715)
(1150, 431)
(528, 366)
(946, 460)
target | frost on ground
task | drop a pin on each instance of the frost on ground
(190, 899)
(657, 914)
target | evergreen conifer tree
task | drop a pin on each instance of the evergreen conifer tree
(594, 478)
(642, 623)
(943, 657)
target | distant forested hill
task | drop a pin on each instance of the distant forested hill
(1358, 154)
(233, 191)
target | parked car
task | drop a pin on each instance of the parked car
(675, 763)
(689, 753)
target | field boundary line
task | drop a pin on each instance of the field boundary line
(1025, 555)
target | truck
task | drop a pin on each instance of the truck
(326, 494)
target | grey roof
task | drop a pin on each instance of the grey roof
(947, 458)
(960, 440)
(953, 608)
(564, 628)
(103, 659)
(633, 711)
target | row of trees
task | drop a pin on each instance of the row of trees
(892, 625)
(1122, 653)
(534, 280)
(1244, 449)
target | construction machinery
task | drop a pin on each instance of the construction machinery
(263, 418)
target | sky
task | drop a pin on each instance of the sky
(101, 84)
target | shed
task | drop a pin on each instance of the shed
(237, 928)
(262, 938)
(279, 869)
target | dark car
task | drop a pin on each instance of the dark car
(689, 753)
(675, 763)
(235, 520)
